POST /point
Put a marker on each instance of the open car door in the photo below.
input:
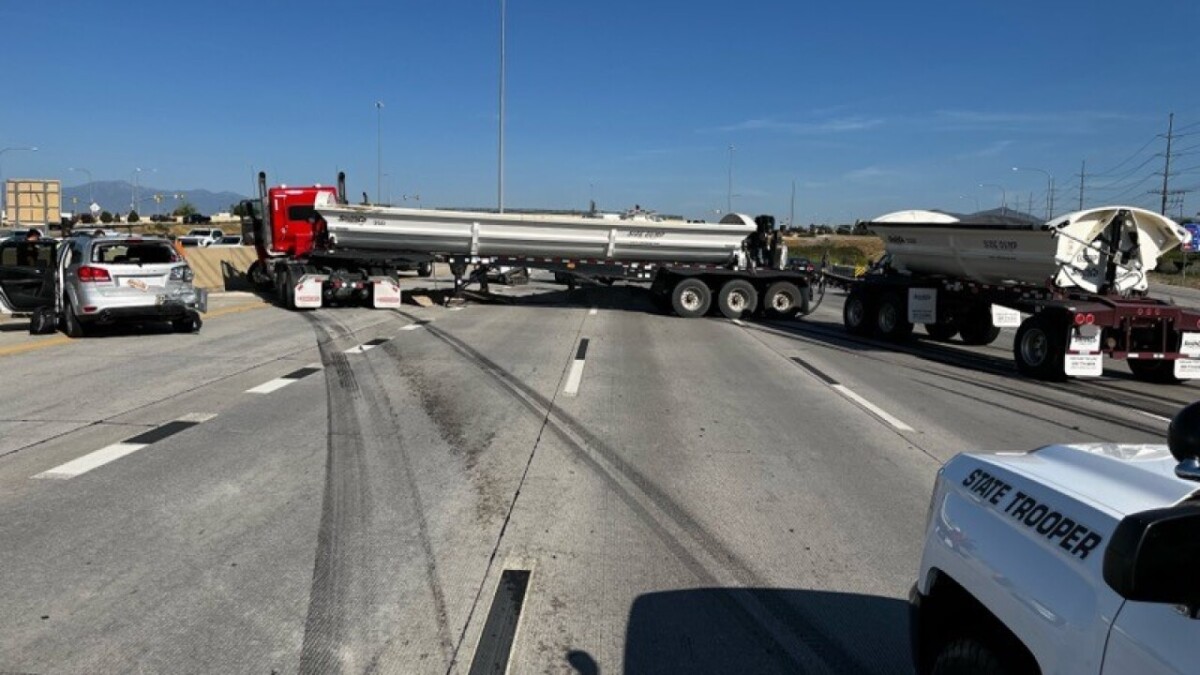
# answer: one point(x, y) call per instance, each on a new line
point(27, 274)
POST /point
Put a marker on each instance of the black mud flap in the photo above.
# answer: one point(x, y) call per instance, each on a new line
point(43, 321)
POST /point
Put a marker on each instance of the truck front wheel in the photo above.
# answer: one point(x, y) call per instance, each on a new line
point(967, 657)
point(1038, 349)
point(691, 298)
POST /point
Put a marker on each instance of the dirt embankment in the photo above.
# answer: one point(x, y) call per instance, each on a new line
point(843, 249)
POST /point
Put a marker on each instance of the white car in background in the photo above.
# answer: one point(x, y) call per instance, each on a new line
point(202, 237)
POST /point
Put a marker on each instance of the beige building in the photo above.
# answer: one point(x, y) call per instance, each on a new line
point(33, 202)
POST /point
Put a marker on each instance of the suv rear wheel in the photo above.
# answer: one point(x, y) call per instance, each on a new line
point(71, 323)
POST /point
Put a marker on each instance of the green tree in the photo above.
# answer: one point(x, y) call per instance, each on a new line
point(184, 210)
point(133, 217)
point(106, 217)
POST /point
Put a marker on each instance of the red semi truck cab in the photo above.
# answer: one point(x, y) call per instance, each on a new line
point(289, 226)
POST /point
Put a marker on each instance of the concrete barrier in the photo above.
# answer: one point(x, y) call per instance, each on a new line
point(221, 268)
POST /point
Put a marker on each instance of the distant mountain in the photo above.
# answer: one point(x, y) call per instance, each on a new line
point(115, 196)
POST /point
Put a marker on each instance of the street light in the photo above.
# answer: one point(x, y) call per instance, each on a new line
point(1049, 188)
point(91, 187)
point(1003, 193)
point(379, 151)
point(3, 212)
point(729, 190)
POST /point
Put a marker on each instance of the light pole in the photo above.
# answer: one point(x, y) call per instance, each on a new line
point(91, 187)
point(379, 151)
point(1049, 188)
point(729, 187)
point(1003, 193)
point(500, 158)
point(792, 210)
point(3, 187)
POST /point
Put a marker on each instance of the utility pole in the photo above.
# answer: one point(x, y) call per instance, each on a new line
point(1167, 166)
point(729, 190)
point(1082, 173)
point(1050, 200)
point(792, 211)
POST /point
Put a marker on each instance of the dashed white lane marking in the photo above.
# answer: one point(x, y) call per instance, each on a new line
point(281, 382)
point(111, 453)
point(593, 311)
point(1153, 416)
point(575, 376)
point(92, 460)
point(879, 412)
point(853, 396)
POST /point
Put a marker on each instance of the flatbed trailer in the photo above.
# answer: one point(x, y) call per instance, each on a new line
point(691, 290)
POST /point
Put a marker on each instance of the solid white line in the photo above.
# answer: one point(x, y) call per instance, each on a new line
point(574, 377)
point(1152, 415)
point(270, 386)
point(197, 417)
point(91, 460)
point(879, 412)
point(593, 311)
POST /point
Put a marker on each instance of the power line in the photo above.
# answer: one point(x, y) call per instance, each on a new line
point(1127, 174)
point(1126, 160)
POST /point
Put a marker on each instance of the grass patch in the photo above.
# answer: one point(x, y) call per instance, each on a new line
point(842, 249)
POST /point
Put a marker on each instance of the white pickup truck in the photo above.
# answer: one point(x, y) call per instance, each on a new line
point(1065, 559)
point(202, 237)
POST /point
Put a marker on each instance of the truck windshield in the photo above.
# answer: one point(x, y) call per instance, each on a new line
point(301, 212)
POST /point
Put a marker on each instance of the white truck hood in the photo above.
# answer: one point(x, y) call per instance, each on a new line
point(1116, 478)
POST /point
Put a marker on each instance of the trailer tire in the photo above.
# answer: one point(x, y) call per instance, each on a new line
point(737, 298)
point(1156, 371)
point(783, 300)
point(425, 269)
point(942, 332)
point(857, 313)
point(891, 320)
point(1038, 349)
point(977, 328)
point(691, 298)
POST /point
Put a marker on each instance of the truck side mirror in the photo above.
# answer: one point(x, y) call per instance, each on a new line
point(1153, 556)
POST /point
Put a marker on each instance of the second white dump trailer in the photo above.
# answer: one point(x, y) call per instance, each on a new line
point(691, 266)
point(1076, 289)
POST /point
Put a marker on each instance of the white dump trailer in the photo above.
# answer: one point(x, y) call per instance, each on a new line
point(1075, 287)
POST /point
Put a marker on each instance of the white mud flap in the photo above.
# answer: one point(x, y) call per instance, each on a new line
point(385, 293)
point(1188, 366)
point(308, 292)
point(922, 305)
point(1083, 358)
point(1187, 369)
point(1005, 317)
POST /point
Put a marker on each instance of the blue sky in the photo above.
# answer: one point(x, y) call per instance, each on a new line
point(869, 106)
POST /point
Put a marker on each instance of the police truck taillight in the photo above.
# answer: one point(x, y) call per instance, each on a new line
point(93, 274)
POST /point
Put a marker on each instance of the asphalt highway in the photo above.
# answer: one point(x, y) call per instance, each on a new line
point(548, 482)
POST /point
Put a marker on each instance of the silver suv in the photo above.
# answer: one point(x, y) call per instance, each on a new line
point(126, 278)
